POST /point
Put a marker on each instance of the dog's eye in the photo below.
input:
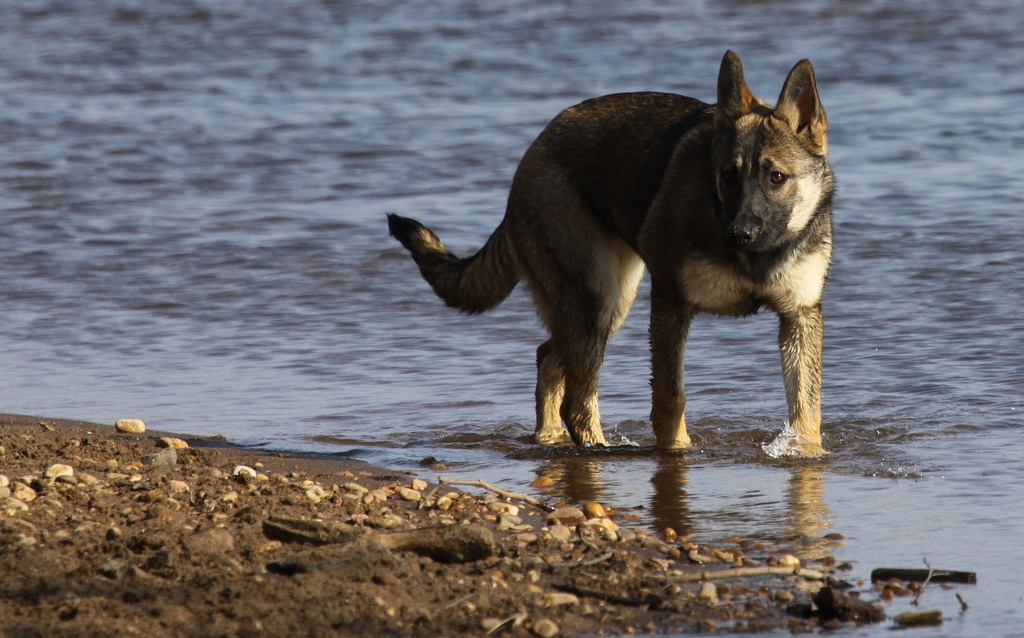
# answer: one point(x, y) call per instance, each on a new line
point(777, 178)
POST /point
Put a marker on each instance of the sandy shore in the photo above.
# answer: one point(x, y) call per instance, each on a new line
point(131, 538)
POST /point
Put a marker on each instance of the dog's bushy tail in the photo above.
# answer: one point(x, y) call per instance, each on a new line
point(472, 284)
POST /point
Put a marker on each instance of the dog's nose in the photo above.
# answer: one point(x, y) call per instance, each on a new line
point(743, 234)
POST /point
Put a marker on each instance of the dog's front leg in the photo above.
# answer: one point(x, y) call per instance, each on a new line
point(800, 338)
point(670, 324)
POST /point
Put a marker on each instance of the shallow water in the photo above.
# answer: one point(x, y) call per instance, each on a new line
point(193, 234)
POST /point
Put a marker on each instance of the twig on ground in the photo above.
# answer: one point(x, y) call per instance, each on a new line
point(454, 602)
point(809, 574)
point(515, 496)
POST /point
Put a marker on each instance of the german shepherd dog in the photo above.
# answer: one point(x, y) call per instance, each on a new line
point(728, 206)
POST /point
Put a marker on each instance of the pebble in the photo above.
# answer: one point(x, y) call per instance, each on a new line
point(546, 628)
point(409, 494)
point(4, 481)
point(560, 533)
point(5, 491)
point(163, 459)
point(230, 497)
point(500, 507)
point(560, 598)
point(58, 469)
point(542, 481)
point(566, 516)
point(593, 510)
point(419, 485)
point(170, 441)
point(178, 487)
point(243, 470)
point(789, 561)
point(23, 493)
point(355, 488)
point(213, 541)
point(12, 506)
point(708, 593)
point(130, 426)
point(443, 503)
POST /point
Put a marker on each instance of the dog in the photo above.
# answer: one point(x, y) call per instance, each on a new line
point(728, 206)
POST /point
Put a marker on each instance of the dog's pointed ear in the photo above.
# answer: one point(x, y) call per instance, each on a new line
point(734, 98)
point(800, 107)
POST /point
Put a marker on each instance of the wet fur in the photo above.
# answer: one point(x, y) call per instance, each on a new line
point(686, 189)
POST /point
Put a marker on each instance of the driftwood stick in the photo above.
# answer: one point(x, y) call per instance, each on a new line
point(931, 572)
point(740, 572)
point(298, 530)
point(515, 496)
point(921, 575)
point(448, 543)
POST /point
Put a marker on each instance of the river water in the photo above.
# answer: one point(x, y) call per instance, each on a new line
point(193, 234)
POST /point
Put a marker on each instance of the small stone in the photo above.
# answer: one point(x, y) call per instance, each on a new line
point(443, 503)
point(669, 534)
point(165, 459)
point(12, 506)
point(566, 516)
point(230, 497)
point(23, 493)
point(490, 624)
point(245, 470)
point(88, 479)
point(170, 441)
point(5, 491)
point(542, 482)
point(789, 561)
point(130, 426)
point(114, 533)
point(58, 469)
point(560, 598)
point(66, 479)
point(313, 497)
point(4, 481)
point(213, 541)
point(546, 628)
point(784, 596)
point(178, 487)
point(593, 510)
point(355, 488)
point(409, 494)
point(708, 593)
point(419, 485)
point(112, 464)
point(560, 533)
point(501, 507)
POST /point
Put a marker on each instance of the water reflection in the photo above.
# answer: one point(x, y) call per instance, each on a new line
point(670, 504)
point(783, 505)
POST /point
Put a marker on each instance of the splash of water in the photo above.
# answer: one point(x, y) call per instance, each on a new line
point(785, 444)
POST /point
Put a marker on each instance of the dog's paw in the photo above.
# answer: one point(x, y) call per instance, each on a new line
point(791, 443)
point(552, 436)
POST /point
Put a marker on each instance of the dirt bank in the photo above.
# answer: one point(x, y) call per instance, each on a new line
point(136, 539)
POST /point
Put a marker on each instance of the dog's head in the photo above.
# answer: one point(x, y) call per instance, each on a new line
point(770, 164)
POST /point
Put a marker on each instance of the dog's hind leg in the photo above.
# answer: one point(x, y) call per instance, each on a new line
point(550, 391)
